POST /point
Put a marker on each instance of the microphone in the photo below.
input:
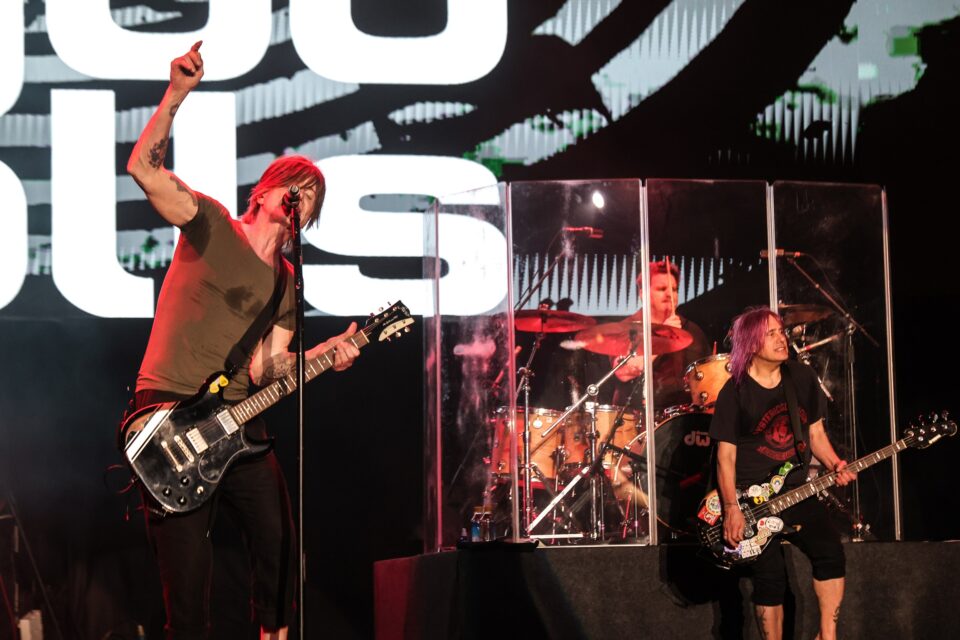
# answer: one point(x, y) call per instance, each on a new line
point(291, 199)
point(782, 253)
point(591, 232)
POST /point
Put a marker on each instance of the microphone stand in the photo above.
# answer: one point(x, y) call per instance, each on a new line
point(533, 288)
point(294, 211)
point(852, 327)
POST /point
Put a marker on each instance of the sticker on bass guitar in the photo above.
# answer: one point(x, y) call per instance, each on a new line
point(766, 489)
point(776, 483)
point(708, 516)
point(713, 504)
point(785, 469)
point(773, 524)
point(754, 491)
point(748, 549)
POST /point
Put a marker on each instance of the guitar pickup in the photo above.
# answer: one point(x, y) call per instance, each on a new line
point(183, 447)
point(196, 441)
point(227, 422)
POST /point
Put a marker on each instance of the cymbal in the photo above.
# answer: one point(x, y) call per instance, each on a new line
point(551, 321)
point(803, 313)
point(613, 338)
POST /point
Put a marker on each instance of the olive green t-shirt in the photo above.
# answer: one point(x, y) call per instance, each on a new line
point(214, 289)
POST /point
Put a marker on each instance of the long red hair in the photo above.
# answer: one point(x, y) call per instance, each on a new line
point(286, 171)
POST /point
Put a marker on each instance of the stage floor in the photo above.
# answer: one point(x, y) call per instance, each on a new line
point(894, 590)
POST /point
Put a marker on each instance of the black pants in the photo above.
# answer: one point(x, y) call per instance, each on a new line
point(816, 538)
point(254, 488)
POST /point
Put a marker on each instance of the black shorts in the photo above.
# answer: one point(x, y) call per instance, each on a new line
point(816, 538)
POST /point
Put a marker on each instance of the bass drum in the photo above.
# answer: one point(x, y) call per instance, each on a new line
point(683, 468)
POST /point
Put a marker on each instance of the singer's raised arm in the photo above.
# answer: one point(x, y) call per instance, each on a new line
point(172, 199)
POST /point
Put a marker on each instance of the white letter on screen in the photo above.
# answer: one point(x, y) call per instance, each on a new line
point(205, 145)
point(86, 37)
point(470, 46)
point(13, 240)
point(475, 250)
point(84, 208)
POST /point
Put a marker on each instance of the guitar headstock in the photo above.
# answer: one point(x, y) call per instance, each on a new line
point(389, 323)
point(930, 429)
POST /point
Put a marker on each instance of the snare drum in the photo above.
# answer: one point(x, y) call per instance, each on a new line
point(705, 377)
point(575, 442)
point(544, 454)
point(683, 467)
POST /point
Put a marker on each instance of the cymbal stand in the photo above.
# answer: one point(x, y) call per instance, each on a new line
point(588, 470)
point(850, 410)
point(525, 373)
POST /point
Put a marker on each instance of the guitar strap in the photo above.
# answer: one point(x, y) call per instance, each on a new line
point(790, 389)
point(242, 351)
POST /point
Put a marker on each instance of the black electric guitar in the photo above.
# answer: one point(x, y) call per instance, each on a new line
point(180, 450)
point(760, 504)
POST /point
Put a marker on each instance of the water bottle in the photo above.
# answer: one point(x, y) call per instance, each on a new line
point(475, 531)
point(486, 526)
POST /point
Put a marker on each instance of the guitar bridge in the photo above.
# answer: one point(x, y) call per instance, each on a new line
point(227, 422)
point(170, 456)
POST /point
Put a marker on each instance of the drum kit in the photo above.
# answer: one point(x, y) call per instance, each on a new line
point(587, 465)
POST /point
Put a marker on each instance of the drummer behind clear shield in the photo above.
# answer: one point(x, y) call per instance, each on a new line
point(669, 368)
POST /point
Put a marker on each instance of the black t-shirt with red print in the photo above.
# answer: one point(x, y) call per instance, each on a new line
point(757, 421)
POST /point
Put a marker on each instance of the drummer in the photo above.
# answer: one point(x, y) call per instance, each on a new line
point(668, 369)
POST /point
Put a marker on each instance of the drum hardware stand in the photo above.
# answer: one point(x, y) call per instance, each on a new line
point(592, 391)
point(525, 373)
point(803, 355)
point(20, 538)
point(851, 410)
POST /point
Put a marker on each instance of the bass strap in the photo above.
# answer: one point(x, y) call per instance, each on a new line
point(790, 390)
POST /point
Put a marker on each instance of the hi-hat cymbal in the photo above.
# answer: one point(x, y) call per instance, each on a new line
point(551, 321)
point(614, 338)
point(803, 313)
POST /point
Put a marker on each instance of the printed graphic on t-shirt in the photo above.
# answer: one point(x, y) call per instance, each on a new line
point(777, 432)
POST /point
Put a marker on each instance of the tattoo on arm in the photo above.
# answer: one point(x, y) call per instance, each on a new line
point(183, 188)
point(158, 153)
point(174, 108)
point(836, 615)
point(276, 367)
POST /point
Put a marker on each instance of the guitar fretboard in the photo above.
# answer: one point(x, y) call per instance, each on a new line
point(812, 488)
point(271, 394)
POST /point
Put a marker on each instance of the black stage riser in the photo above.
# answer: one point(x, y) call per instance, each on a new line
point(893, 590)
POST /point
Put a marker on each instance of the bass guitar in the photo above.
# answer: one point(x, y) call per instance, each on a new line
point(761, 505)
point(180, 450)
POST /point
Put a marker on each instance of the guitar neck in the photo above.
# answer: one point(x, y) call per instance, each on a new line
point(275, 391)
point(814, 487)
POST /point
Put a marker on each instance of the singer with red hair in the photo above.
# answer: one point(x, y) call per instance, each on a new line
point(227, 303)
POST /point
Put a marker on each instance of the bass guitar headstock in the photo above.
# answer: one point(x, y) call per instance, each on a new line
point(389, 323)
point(931, 428)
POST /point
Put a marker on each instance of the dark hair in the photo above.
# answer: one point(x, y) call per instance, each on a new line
point(747, 336)
point(286, 171)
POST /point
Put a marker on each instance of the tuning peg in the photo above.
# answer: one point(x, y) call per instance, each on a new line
point(380, 309)
point(371, 314)
point(406, 329)
point(933, 416)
